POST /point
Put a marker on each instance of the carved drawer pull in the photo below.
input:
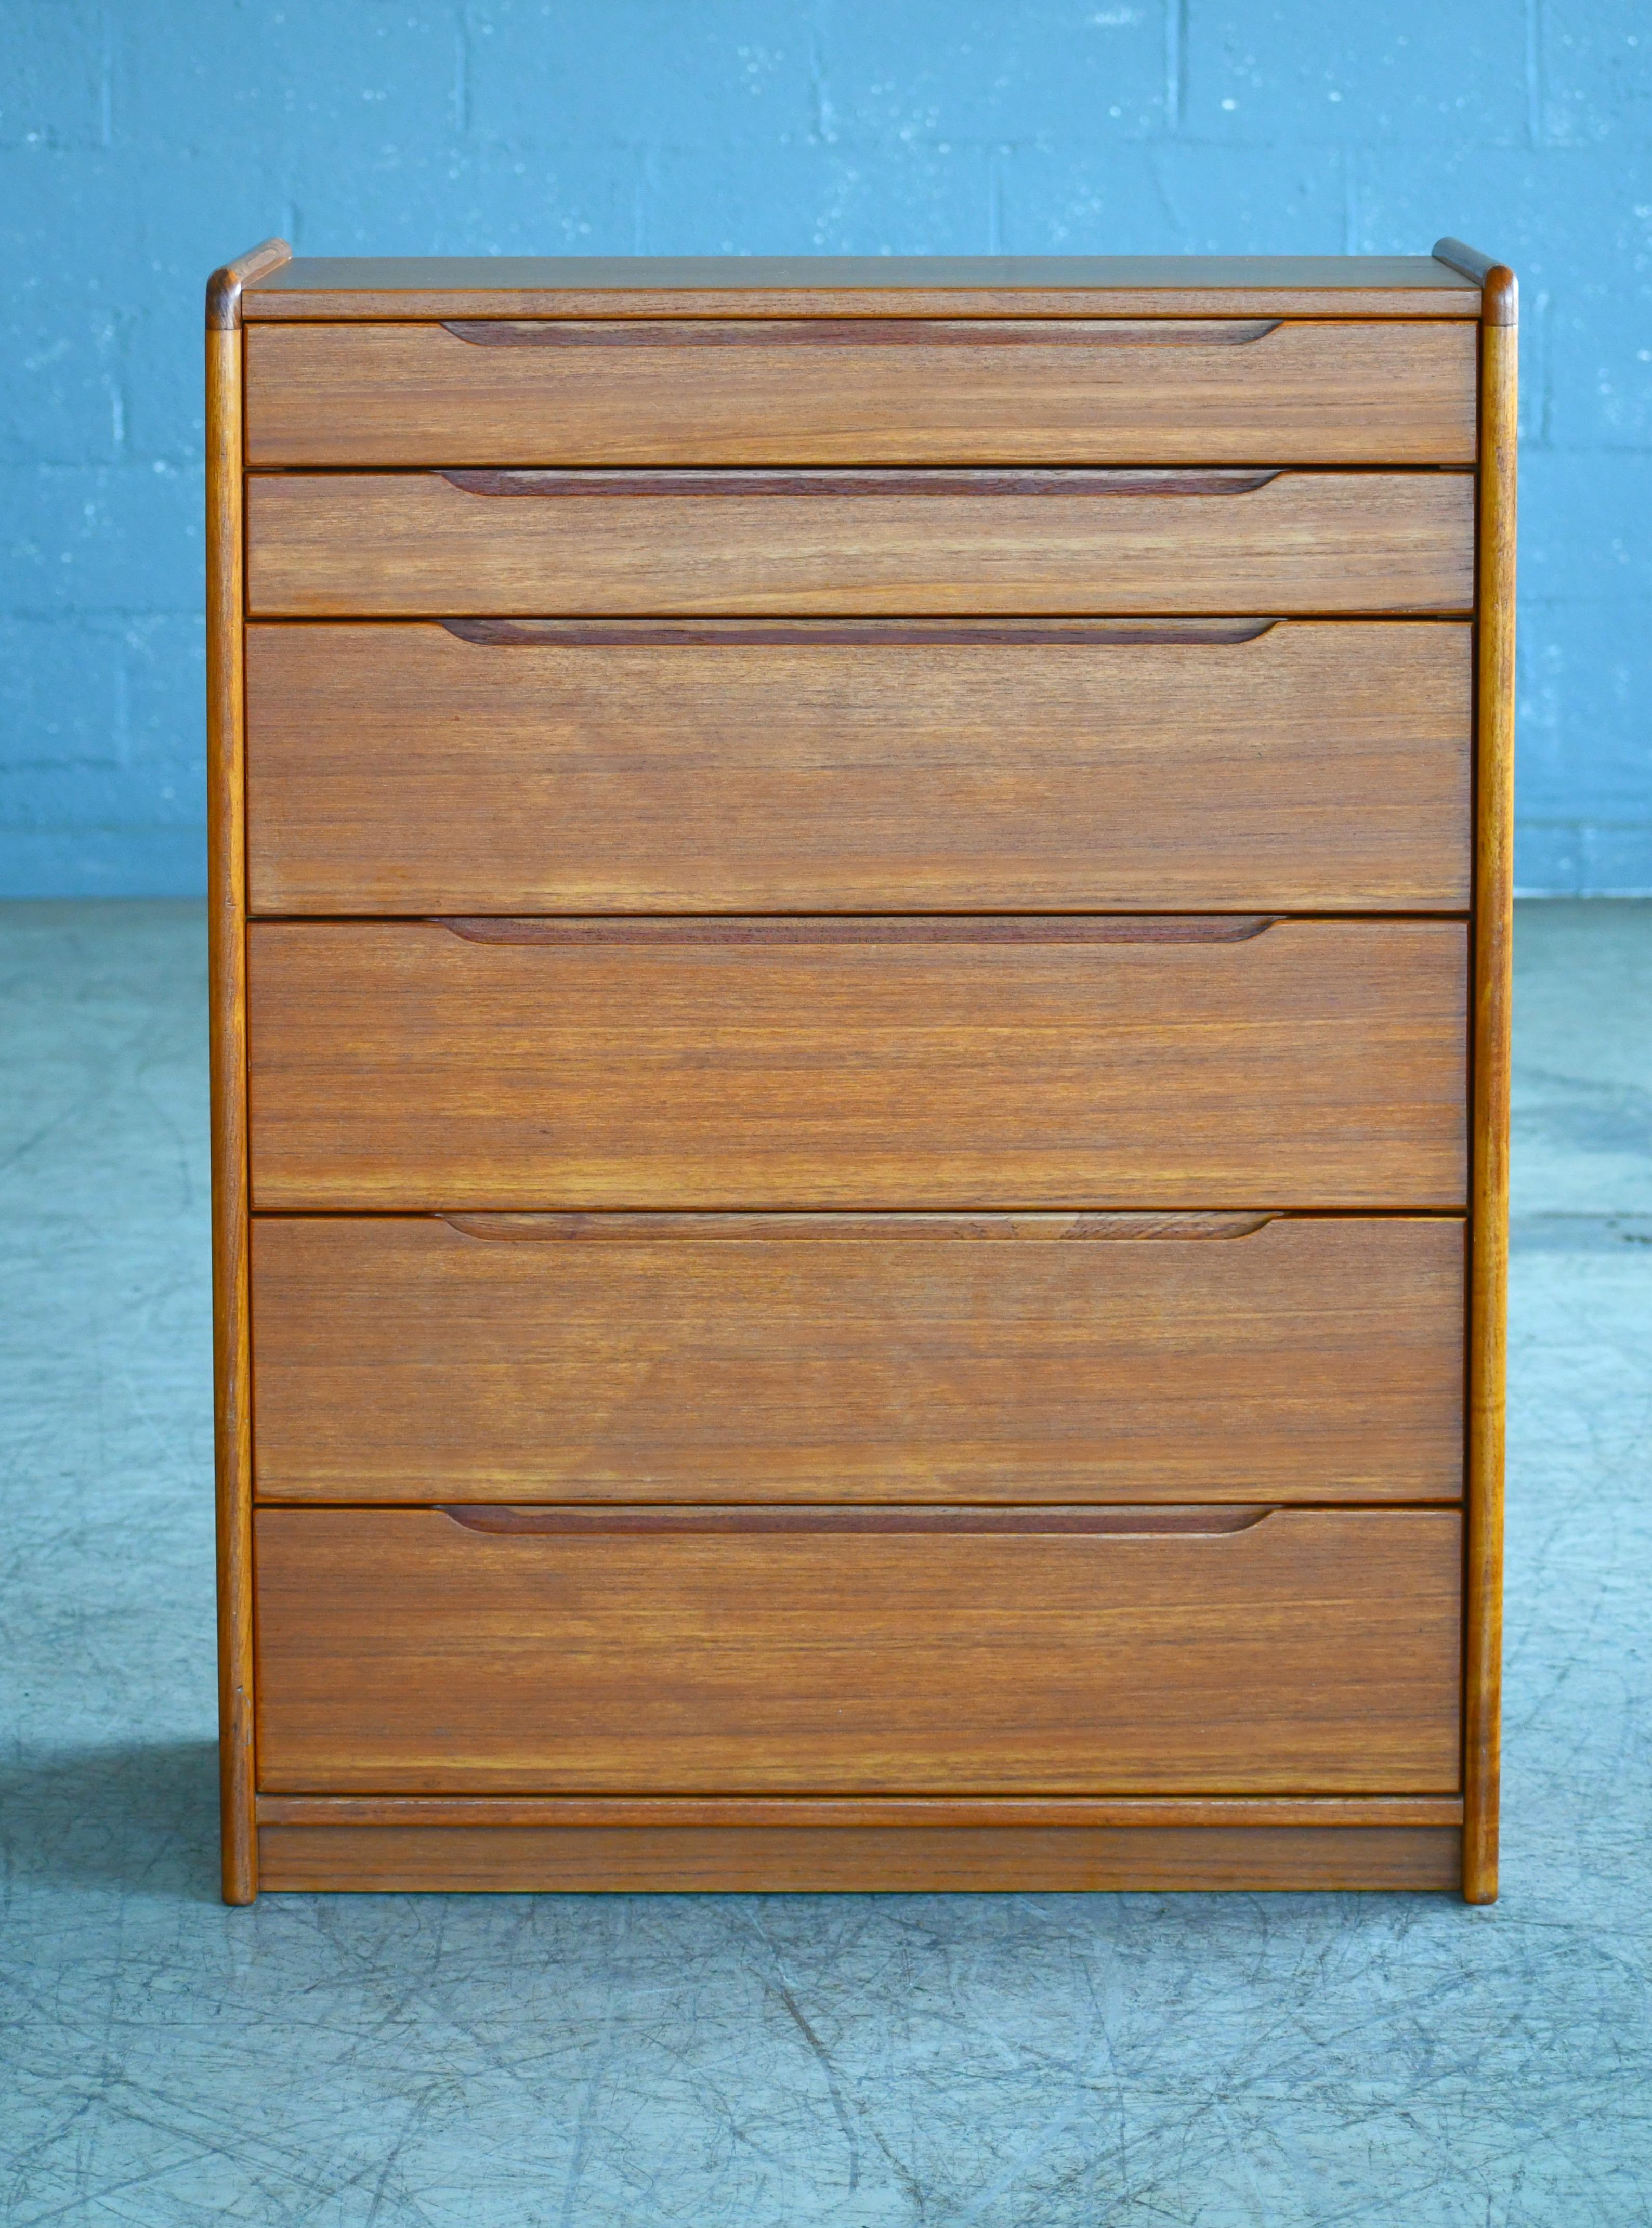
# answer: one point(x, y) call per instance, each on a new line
point(824, 483)
point(865, 928)
point(1119, 1522)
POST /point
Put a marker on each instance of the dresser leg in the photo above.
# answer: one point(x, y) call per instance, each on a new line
point(1493, 926)
point(226, 947)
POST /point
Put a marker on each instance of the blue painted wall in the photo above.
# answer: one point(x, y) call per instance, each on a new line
point(144, 141)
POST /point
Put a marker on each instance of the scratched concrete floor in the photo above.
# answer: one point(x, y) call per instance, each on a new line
point(1015, 2062)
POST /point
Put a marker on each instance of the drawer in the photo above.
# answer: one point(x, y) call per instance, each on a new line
point(502, 766)
point(1230, 1651)
point(1063, 1062)
point(847, 1357)
point(832, 391)
point(505, 544)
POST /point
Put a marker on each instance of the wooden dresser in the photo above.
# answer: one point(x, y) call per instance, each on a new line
point(860, 959)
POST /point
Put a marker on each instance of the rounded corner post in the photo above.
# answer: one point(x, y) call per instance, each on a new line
point(1500, 297)
point(226, 962)
point(225, 287)
point(1492, 994)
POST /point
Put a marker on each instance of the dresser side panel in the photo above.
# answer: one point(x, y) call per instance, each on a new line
point(226, 941)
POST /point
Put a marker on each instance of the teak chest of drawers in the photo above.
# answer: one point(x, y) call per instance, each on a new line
point(860, 955)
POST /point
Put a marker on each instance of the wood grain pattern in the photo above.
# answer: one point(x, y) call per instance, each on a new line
point(1316, 1652)
point(227, 962)
point(400, 1359)
point(377, 288)
point(1493, 957)
point(957, 978)
point(851, 1860)
point(414, 544)
point(1321, 764)
point(398, 1067)
point(945, 1811)
point(862, 392)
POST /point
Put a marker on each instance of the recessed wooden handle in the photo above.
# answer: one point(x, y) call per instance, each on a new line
point(844, 634)
point(827, 483)
point(877, 1229)
point(859, 332)
point(866, 928)
point(1120, 1523)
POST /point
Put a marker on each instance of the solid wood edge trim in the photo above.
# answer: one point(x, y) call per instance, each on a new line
point(777, 1226)
point(224, 288)
point(1493, 939)
point(1499, 290)
point(940, 1813)
point(442, 305)
point(227, 964)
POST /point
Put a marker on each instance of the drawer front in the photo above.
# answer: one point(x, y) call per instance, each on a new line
point(746, 766)
point(1203, 1062)
point(504, 544)
point(862, 391)
point(844, 1357)
point(1312, 1651)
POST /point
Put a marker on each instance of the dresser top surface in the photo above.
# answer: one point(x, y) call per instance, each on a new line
point(327, 287)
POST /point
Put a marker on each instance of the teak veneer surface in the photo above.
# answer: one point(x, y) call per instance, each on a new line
point(943, 1813)
point(747, 766)
point(886, 1859)
point(1310, 1652)
point(1008, 1359)
point(501, 544)
point(860, 1064)
point(788, 1114)
point(381, 287)
point(861, 391)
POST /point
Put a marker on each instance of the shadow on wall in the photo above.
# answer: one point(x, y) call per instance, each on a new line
point(141, 1817)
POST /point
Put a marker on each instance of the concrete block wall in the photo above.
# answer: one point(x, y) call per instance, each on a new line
point(142, 141)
